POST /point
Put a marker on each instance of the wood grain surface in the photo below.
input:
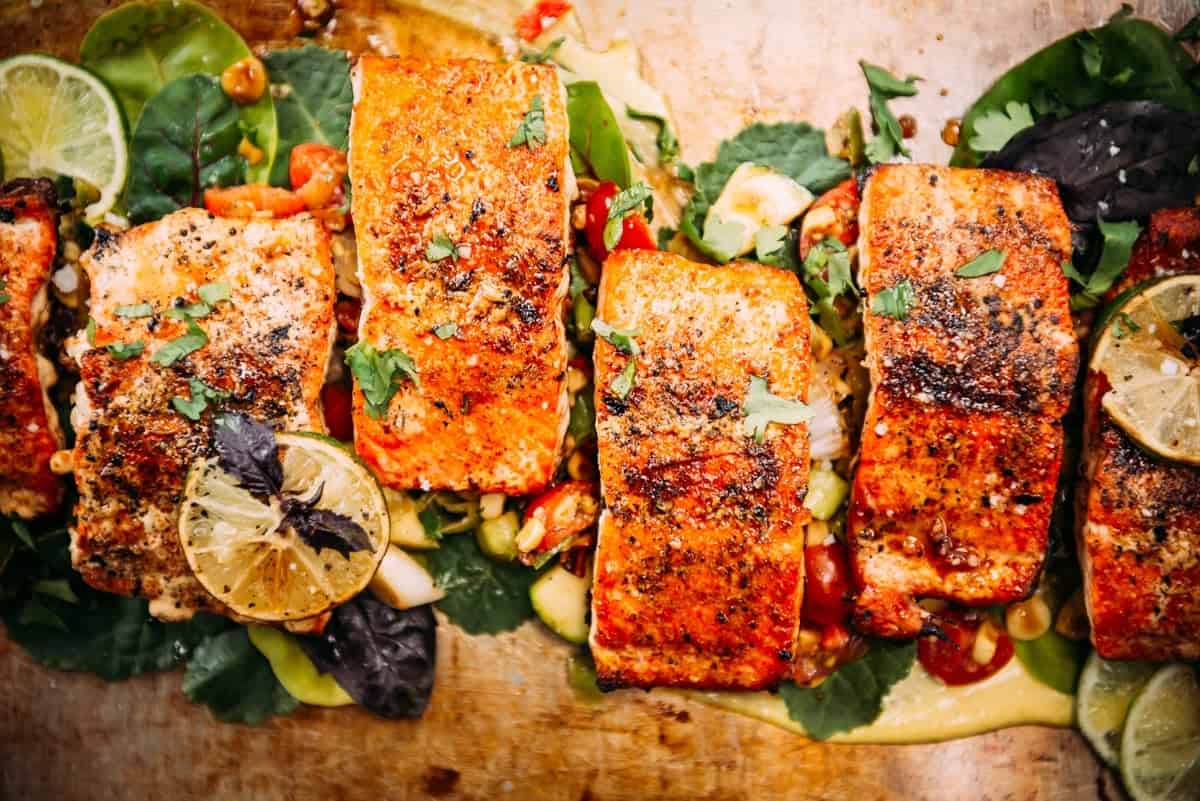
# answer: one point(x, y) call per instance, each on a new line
point(503, 723)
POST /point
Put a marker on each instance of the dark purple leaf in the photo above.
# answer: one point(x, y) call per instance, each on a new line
point(383, 657)
point(322, 528)
point(246, 449)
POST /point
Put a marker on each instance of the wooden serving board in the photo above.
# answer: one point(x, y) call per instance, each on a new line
point(503, 722)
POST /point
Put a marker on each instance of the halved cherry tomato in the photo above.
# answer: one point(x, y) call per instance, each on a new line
point(339, 418)
point(317, 173)
point(635, 231)
point(827, 588)
point(834, 214)
point(565, 510)
point(951, 659)
point(347, 312)
point(544, 13)
point(247, 200)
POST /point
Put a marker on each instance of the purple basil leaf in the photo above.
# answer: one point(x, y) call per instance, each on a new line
point(246, 449)
point(321, 529)
point(383, 657)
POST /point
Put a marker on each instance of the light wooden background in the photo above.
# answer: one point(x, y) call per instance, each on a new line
point(503, 723)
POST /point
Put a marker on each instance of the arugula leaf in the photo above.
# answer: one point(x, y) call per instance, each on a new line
point(532, 129)
point(895, 301)
point(542, 56)
point(123, 351)
point(186, 141)
point(793, 148)
point(763, 408)
point(596, 139)
point(668, 145)
point(379, 374)
point(769, 240)
point(995, 128)
point(313, 98)
point(201, 395)
point(1114, 257)
point(623, 204)
point(621, 339)
point(722, 239)
point(229, 675)
point(135, 310)
point(4, 296)
point(181, 346)
point(882, 87)
point(441, 247)
point(247, 450)
point(988, 262)
point(622, 385)
point(482, 596)
point(853, 695)
point(445, 330)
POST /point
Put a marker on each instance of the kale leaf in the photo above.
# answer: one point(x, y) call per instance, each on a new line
point(313, 98)
point(482, 596)
point(229, 675)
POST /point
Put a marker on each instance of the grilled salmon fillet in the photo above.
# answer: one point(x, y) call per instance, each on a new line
point(29, 429)
point(267, 347)
point(699, 568)
point(1139, 517)
point(962, 442)
point(432, 160)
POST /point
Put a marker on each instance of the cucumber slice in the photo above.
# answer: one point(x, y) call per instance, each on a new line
point(402, 582)
point(498, 537)
point(826, 491)
point(560, 599)
point(407, 531)
point(294, 670)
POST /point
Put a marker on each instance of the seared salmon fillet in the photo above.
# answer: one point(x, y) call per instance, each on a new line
point(267, 347)
point(699, 568)
point(29, 430)
point(462, 246)
point(962, 442)
point(1139, 517)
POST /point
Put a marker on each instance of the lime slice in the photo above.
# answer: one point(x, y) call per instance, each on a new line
point(1149, 351)
point(1160, 749)
point(59, 119)
point(241, 550)
point(1106, 689)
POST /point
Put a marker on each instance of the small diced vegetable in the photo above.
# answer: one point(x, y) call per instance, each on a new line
point(755, 197)
point(560, 599)
point(407, 531)
point(497, 536)
point(826, 491)
point(402, 583)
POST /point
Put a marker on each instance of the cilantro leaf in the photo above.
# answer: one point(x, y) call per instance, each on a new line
point(181, 346)
point(235, 681)
point(4, 296)
point(201, 395)
point(826, 273)
point(853, 695)
point(247, 450)
point(994, 128)
point(988, 262)
point(122, 351)
point(445, 330)
point(622, 385)
point(214, 292)
point(722, 240)
point(882, 87)
point(379, 374)
point(135, 310)
point(621, 339)
point(894, 301)
point(623, 204)
point(482, 596)
point(541, 57)
point(1114, 257)
point(762, 408)
point(769, 240)
point(441, 248)
point(532, 129)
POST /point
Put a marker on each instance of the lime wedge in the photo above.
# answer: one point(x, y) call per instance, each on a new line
point(59, 119)
point(1160, 749)
point(1106, 689)
point(1149, 352)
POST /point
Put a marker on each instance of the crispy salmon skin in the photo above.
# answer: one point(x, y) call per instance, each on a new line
point(462, 259)
point(267, 347)
point(1139, 517)
point(29, 430)
point(962, 442)
point(700, 563)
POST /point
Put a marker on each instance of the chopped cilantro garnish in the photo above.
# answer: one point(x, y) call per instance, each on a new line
point(201, 395)
point(90, 331)
point(622, 384)
point(883, 87)
point(994, 128)
point(536, 57)
point(769, 240)
point(135, 310)
point(762, 408)
point(1123, 325)
point(441, 247)
point(4, 296)
point(379, 374)
point(127, 350)
point(894, 301)
point(986, 263)
point(181, 346)
point(445, 330)
point(623, 204)
point(1118, 244)
point(532, 130)
point(622, 340)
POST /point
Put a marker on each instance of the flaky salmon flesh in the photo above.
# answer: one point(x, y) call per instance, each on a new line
point(267, 347)
point(433, 160)
point(962, 442)
point(29, 428)
point(699, 569)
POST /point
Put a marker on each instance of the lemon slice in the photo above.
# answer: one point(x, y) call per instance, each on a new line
point(1148, 352)
point(59, 119)
point(1106, 689)
point(1160, 749)
point(244, 553)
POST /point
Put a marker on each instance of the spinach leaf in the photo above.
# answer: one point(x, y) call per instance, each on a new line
point(384, 658)
point(313, 98)
point(1137, 60)
point(853, 695)
point(185, 142)
point(482, 596)
point(229, 675)
point(596, 139)
point(795, 149)
point(140, 47)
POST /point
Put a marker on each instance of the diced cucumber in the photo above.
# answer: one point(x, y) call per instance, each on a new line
point(402, 582)
point(407, 531)
point(498, 537)
point(294, 670)
point(560, 599)
point(826, 491)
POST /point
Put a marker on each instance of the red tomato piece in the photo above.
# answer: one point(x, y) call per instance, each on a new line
point(317, 173)
point(635, 231)
point(565, 510)
point(347, 311)
point(827, 588)
point(951, 660)
point(245, 201)
point(336, 400)
point(535, 21)
point(834, 214)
